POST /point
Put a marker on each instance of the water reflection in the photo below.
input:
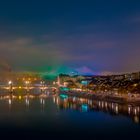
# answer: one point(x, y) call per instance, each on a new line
point(87, 105)
point(10, 101)
point(27, 102)
point(42, 101)
point(73, 103)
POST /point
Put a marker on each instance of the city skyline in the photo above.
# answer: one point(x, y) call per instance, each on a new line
point(69, 69)
point(93, 37)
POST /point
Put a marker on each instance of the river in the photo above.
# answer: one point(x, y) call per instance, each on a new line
point(67, 117)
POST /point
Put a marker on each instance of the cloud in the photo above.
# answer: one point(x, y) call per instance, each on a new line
point(103, 51)
point(27, 54)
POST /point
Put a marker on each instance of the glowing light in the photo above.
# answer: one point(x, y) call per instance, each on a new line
point(10, 82)
point(106, 104)
point(112, 106)
point(90, 102)
point(63, 96)
point(129, 109)
point(74, 99)
point(64, 89)
point(117, 109)
point(54, 99)
point(27, 102)
point(19, 97)
point(10, 101)
point(99, 104)
point(136, 119)
point(57, 101)
point(84, 107)
point(27, 82)
point(84, 82)
point(135, 85)
point(135, 111)
point(42, 101)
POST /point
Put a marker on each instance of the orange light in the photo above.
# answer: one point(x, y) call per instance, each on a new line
point(19, 97)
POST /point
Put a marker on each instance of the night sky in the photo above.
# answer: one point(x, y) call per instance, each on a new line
point(97, 36)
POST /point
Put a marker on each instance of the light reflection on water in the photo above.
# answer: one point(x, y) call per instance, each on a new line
point(79, 104)
point(69, 114)
point(87, 105)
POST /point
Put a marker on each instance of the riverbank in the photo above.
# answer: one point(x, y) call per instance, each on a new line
point(122, 99)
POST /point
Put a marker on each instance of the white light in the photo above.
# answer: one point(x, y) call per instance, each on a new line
point(41, 101)
point(99, 104)
point(10, 82)
point(129, 110)
point(117, 109)
point(10, 101)
point(54, 99)
point(27, 102)
point(135, 111)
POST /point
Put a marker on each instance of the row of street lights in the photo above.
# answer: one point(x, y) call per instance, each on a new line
point(27, 83)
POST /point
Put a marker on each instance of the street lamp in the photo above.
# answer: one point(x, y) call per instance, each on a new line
point(10, 82)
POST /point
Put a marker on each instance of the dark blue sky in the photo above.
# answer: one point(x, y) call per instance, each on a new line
point(89, 36)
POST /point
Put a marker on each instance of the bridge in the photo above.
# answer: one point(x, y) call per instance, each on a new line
point(30, 88)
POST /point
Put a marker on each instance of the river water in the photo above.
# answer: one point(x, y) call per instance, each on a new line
point(67, 117)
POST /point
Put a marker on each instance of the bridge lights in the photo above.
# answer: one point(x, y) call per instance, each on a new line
point(42, 82)
point(10, 82)
point(27, 82)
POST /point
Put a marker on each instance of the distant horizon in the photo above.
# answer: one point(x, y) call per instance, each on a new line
point(70, 73)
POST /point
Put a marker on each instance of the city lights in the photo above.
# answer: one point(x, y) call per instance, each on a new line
point(70, 69)
point(10, 82)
